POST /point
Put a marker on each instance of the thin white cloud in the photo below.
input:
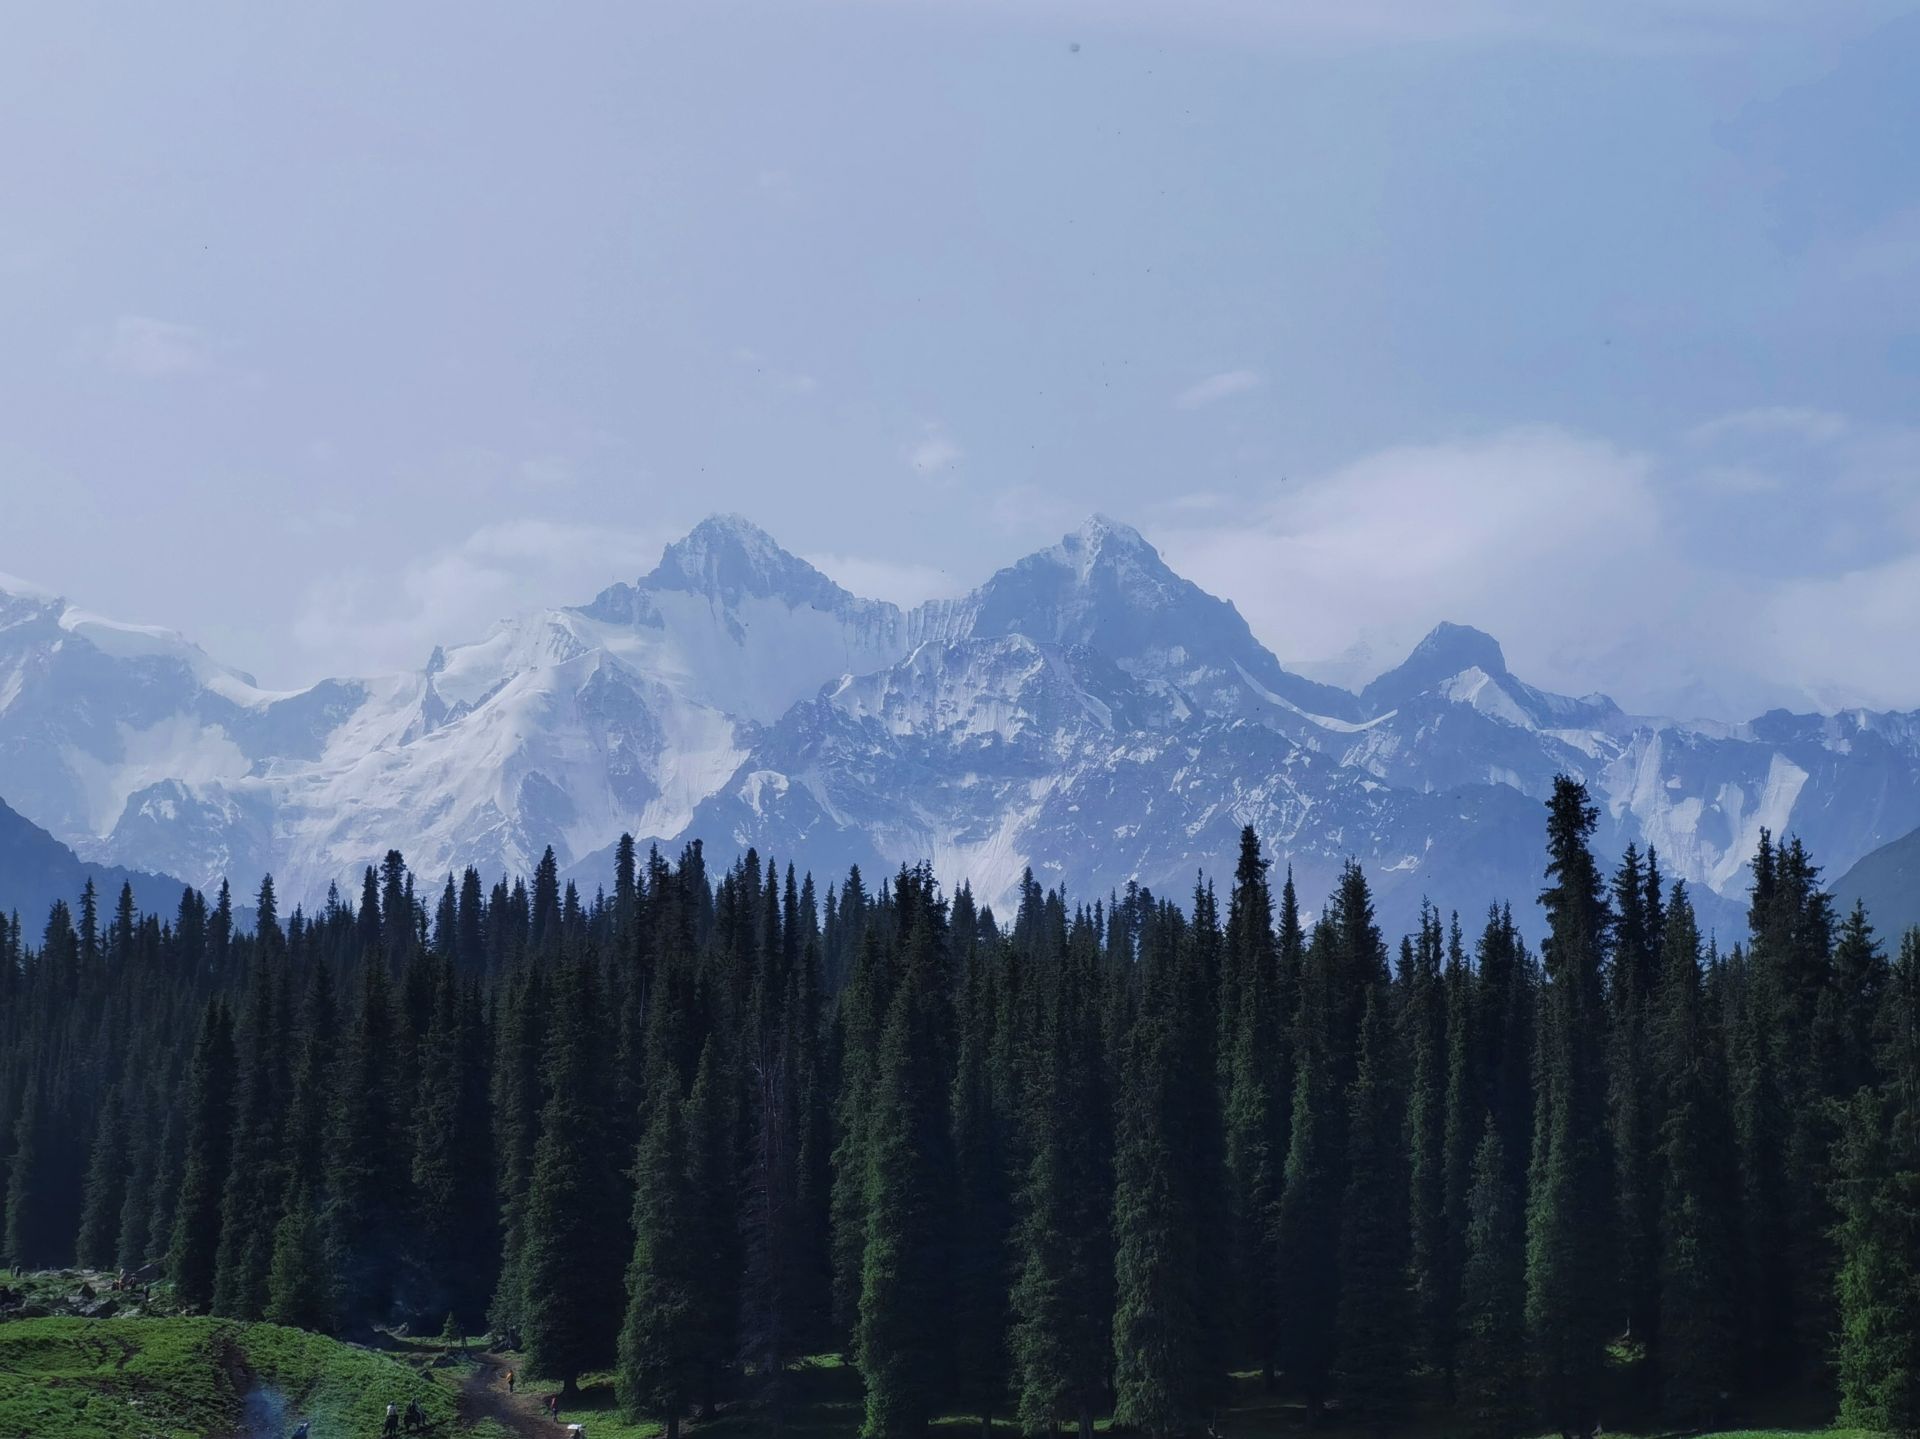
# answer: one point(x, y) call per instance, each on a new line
point(933, 453)
point(1215, 388)
point(154, 349)
point(905, 584)
point(1595, 566)
point(358, 621)
point(1771, 422)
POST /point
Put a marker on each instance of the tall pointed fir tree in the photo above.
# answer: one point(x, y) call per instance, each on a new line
point(256, 1180)
point(1255, 1107)
point(1374, 1339)
point(574, 1219)
point(714, 1163)
point(1465, 1124)
point(1571, 1279)
point(1309, 1221)
point(984, 1217)
point(658, 1372)
point(1423, 1021)
point(903, 1290)
point(106, 1186)
point(365, 1176)
point(453, 1220)
point(37, 1229)
point(1630, 985)
point(860, 1022)
point(209, 1109)
point(1162, 1359)
point(1784, 1117)
point(519, 1042)
point(1062, 1338)
point(298, 1292)
point(1878, 1197)
point(1695, 1349)
point(1493, 1377)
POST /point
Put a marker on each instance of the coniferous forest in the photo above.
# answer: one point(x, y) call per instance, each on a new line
point(1084, 1160)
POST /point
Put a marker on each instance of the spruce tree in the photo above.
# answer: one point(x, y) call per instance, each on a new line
point(298, 1287)
point(1062, 1337)
point(38, 1235)
point(1695, 1351)
point(1424, 1026)
point(519, 1037)
point(1465, 1124)
point(659, 1355)
point(1570, 1273)
point(1309, 1224)
point(452, 1170)
point(209, 1110)
point(1631, 980)
point(1878, 1198)
point(106, 1187)
point(133, 1241)
point(574, 1222)
point(861, 1020)
point(1160, 1362)
point(1371, 1320)
point(903, 1292)
point(364, 1177)
point(712, 1112)
point(984, 1214)
point(255, 1179)
point(1492, 1364)
point(1255, 1106)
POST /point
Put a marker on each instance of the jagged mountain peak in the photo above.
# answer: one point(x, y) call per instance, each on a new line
point(1086, 710)
point(728, 558)
point(1448, 641)
point(1102, 576)
point(1104, 586)
point(1104, 543)
point(1102, 534)
point(1447, 650)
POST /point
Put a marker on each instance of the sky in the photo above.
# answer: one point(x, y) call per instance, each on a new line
point(328, 336)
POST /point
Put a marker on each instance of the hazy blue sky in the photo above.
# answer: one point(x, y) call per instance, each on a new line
point(325, 336)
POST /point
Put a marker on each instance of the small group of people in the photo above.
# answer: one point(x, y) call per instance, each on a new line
point(415, 1418)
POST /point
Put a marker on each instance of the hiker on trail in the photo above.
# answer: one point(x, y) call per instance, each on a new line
point(392, 1426)
point(416, 1416)
point(509, 1381)
point(553, 1406)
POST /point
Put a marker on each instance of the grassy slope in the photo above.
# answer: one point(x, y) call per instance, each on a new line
point(189, 1378)
point(826, 1405)
point(66, 1378)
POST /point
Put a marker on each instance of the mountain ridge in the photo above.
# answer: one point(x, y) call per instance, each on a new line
point(36, 869)
point(1085, 711)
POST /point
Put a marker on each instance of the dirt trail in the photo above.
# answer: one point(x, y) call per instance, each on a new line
point(484, 1396)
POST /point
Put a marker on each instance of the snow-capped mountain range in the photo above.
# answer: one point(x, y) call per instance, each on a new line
point(1086, 712)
